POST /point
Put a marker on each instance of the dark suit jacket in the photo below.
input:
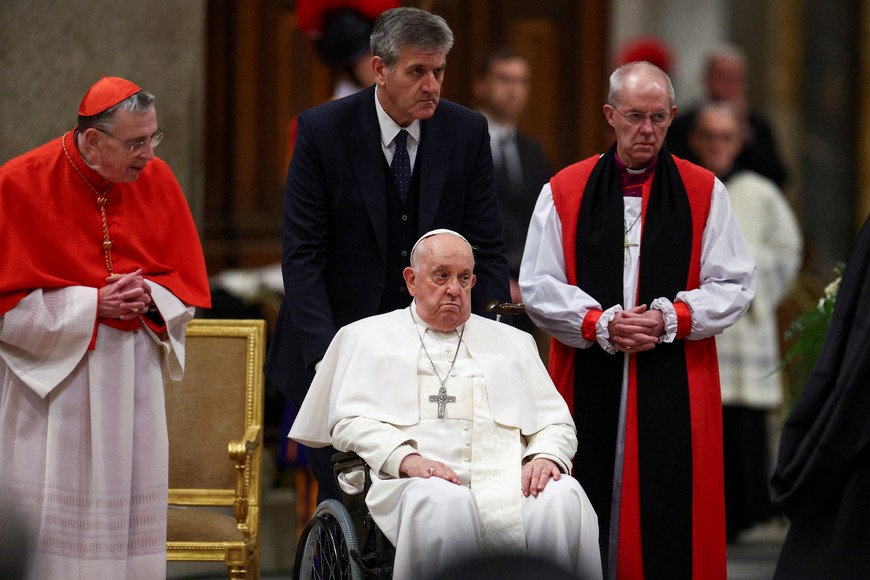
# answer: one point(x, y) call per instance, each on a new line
point(335, 222)
point(517, 203)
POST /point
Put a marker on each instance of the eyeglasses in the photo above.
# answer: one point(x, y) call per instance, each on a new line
point(137, 146)
point(658, 118)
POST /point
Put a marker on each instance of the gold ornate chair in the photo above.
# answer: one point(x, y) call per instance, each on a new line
point(215, 420)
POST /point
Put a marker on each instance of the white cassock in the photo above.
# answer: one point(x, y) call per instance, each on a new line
point(371, 395)
point(83, 443)
point(748, 352)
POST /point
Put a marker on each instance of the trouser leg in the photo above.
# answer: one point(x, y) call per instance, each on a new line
point(438, 525)
point(561, 527)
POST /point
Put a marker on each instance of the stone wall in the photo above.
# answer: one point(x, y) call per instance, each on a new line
point(51, 52)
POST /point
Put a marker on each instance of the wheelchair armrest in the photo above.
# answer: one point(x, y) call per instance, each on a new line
point(343, 460)
point(346, 461)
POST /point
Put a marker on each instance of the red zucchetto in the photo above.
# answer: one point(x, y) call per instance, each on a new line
point(105, 94)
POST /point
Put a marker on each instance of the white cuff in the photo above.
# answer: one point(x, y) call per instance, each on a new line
point(602, 335)
point(669, 315)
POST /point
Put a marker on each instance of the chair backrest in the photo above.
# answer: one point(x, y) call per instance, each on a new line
point(218, 401)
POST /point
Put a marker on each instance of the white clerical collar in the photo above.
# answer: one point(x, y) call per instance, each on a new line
point(425, 325)
point(389, 128)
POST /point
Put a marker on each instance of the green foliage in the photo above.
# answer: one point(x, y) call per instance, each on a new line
point(807, 333)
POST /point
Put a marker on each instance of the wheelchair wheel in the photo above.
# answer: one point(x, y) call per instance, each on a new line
point(325, 545)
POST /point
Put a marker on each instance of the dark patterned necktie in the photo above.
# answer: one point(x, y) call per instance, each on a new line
point(401, 165)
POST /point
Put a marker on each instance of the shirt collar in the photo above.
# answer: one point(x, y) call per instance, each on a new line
point(389, 128)
point(632, 177)
point(498, 130)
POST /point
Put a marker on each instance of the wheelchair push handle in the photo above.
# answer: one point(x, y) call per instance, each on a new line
point(502, 308)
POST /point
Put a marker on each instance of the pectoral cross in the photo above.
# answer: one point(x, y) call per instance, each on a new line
point(442, 398)
point(625, 243)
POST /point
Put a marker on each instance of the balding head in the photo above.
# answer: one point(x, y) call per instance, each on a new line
point(640, 109)
point(440, 279)
point(639, 74)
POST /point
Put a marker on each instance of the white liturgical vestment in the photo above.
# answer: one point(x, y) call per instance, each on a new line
point(748, 351)
point(376, 394)
point(83, 442)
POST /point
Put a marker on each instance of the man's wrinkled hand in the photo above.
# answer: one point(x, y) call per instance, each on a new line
point(415, 465)
point(536, 474)
point(125, 296)
point(636, 330)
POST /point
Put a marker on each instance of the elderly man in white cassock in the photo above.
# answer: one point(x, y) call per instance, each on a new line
point(467, 439)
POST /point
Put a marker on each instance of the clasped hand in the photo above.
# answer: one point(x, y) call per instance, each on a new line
point(636, 330)
point(125, 296)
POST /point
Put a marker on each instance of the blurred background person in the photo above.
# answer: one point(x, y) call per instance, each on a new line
point(521, 169)
point(725, 79)
point(748, 351)
point(648, 48)
point(340, 31)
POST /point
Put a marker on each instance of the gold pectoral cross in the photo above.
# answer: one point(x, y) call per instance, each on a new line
point(626, 244)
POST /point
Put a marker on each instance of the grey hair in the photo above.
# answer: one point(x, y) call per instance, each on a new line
point(421, 248)
point(617, 78)
point(406, 27)
point(137, 103)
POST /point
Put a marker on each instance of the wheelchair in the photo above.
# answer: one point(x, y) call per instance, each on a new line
point(341, 540)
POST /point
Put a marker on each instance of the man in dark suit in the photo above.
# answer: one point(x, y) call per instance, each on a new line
point(369, 174)
point(521, 169)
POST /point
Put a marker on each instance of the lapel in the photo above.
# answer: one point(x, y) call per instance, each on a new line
point(367, 163)
point(432, 161)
